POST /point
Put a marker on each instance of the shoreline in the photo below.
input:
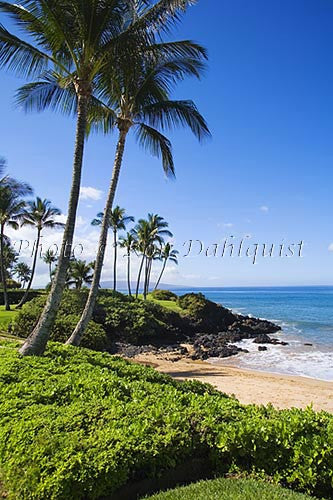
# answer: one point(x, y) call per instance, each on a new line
point(247, 385)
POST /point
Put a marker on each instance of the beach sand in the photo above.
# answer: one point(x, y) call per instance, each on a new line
point(283, 391)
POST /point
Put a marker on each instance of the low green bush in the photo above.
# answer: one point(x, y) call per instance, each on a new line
point(117, 315)
point(14, 296)
point(134, 319)
point(76, 424)
point(230, 489)
point(205, 315)
point(67, 318)
point(164, 295)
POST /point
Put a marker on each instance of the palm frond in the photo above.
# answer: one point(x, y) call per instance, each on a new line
point(158, 145)
point(52, 91)
point(19, 56)
point(171, 114)
point(179, 48)
point(162, 16)
point(159, 81)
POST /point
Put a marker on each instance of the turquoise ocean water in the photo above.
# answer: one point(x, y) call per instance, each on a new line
point(305, 315)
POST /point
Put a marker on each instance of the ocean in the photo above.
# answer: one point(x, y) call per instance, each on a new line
point(305, 315)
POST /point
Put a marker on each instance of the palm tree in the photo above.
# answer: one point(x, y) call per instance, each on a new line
point(80, 273)
point(149, 233)
point(167, 254)
point(39, 214)
point(23, 272)
point(129, 243)
point(117, 221)
point(71, 44)
point(11, 208)
point(153, 253)
point(50, 257)
point(137, 94)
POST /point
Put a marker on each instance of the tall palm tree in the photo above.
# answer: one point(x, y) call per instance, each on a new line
point(11, 209)
point(41, 215)
point(153, 254)
point(80, 273)
point(23, 272)
point(117, 222)
point(167, 254)
point(50, 257)
point(71, 42)
point(149, 233)
point(129, 243)
point(137, 97)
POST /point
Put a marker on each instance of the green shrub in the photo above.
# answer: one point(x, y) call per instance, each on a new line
point(13, 285)
point(67, 318)
point(230, 489)
point(205, 314)
point(76, 424)
point(133, 320)
point(118, 315)
point(14, 296)
point(164, 295)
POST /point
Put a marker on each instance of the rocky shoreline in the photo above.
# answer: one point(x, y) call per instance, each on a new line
point(213, 336)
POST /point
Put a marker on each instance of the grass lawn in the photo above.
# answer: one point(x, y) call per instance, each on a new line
point(230, 489)
point(6, 317)
point(168, 304)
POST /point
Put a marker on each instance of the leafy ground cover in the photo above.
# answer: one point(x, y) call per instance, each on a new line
point(6, 317)
point(230, 489)
point(80, 424)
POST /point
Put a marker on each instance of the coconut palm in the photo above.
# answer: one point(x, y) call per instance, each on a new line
point(66, 44)
point(50, 257)
point(153, 253)
point(11, 209)
point(168, 254)
point(79, 274)
point(117, 222)
point(137, 98)
point(41, 215)
point(23, 272)
point(129, 243)
point(149, 233)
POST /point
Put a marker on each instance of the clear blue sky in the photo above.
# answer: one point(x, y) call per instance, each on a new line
point(268, 98)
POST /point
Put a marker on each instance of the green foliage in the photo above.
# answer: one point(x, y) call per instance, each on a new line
point(116, 315)
point(12, 284)
point(163, 295)
point(205, 314)
point(230, 489)
point(81, 424)
point(6, 317)
point(67, 318)
point(15, 296)
point(133, 319)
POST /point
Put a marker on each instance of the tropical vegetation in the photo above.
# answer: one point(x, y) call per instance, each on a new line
point(230, 489)
point(91, 423)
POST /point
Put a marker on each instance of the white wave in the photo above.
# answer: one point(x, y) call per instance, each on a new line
point(294, 359)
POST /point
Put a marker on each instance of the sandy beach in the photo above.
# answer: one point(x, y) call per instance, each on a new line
point(282, 391)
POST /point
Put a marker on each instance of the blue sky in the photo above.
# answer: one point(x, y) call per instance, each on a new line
point(267, 171)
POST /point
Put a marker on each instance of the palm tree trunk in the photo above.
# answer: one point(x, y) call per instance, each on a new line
point(33, 270)
point(149, 274)
point(50, 271)
point(139, 276)
point(80, 328)
point(160, 276)
point(129, 273)
point(37, 340)
point(146, 279)
point(115, 260)
point(3, 270)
